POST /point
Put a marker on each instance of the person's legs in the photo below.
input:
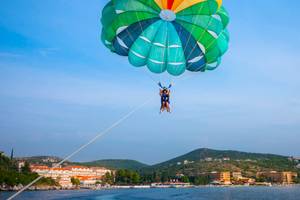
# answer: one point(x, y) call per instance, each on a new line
point(162, 107)
point(168, 107)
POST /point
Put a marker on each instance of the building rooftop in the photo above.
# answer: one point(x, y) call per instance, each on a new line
point(77, 167)
point(39, 167)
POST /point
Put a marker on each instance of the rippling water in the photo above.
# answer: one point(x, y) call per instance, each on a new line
point(205, 193)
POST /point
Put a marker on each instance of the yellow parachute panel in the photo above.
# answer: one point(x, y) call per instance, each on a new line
point(219, 2)
point(179, 5)
point(185, 4)
point(165, 4)
point(176, 4)
point(159, 3)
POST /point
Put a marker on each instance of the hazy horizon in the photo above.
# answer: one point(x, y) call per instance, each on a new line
point(59, 87)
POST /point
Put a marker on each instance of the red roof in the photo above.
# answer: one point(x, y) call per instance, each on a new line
point(77, 167)
point(41, 167)
point(83, 178)
point(58, 169)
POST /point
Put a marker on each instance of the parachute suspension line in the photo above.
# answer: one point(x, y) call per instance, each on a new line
point(193, 17)
point(141, 27)
point(148, 74)
point(184, 49)
point(177, 51)
point(165, 49)
point(137, 16)
point(195, 39)
point(210, 20)
point(130, 35)
point(168, 49)
point(99, 135)
point(191, 75)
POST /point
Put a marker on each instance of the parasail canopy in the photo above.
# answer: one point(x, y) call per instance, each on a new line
point(167, 35)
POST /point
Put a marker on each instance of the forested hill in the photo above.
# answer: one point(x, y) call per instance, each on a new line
point(207, 160)
point(108, 163)
point(207, 154)
point(117, 164)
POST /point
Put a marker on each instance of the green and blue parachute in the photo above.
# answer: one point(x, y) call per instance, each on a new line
point(167, 35)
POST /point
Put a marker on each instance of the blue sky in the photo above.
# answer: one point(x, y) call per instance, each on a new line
point(59, 86)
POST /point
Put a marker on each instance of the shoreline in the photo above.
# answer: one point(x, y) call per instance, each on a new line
point(53, 188)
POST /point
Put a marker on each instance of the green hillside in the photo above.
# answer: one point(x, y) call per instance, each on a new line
point(11, 176)
point(203, 153)
point(207, 160)
point(117, 164)
point(108, 163)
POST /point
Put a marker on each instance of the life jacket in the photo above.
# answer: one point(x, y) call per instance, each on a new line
point(165, 97)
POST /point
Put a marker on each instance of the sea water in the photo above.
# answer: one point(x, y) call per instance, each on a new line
point(202, 193)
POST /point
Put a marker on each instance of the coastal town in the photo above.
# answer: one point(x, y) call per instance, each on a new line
point(92, 177)
point(87, 176)
point(185, 173)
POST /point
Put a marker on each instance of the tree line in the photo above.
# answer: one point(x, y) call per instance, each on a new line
point(11, 176)
point(128, 177)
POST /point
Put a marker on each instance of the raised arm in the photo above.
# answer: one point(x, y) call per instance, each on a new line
point(160, 85)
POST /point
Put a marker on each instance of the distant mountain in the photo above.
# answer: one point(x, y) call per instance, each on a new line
point(109, 163)
point(204, 153)
point(207, 160)
point(117, 164)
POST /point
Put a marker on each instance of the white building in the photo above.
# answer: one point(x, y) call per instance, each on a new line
point(20, 164)
point(186, 162)
point(208, 159)
point(100, 171)
point(87, 176)
point(61, 175)
point(226, 159)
